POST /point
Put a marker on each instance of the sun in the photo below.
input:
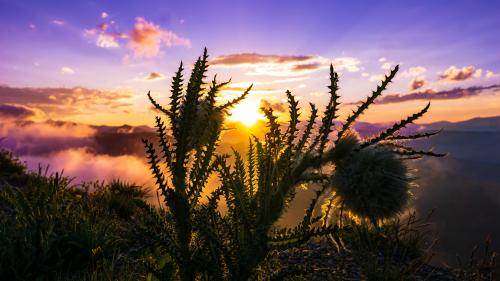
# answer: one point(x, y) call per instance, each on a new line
point(247, 112)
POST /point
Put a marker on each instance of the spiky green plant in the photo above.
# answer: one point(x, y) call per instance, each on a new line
point(211, 245)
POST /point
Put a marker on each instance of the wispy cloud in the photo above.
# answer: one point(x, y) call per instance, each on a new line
point(413, 72)
point(283, 65)
point(57, 22)
point(454, 74)
point(387, 65)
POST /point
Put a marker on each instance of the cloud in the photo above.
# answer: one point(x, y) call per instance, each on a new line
point(382, 59)
point(86, 152)
point(63, 101)
point(106, 41)
point(346, 63)
point(67, 70)
point(317, 94)
point(26, 137)
point(154, 76)
point(490, 74)
point(387, 65)
point(19, 112)
point(103, 26)
point(57, 22)
point(277, 107)
point(456, 93)
point(290, 79)
point(45, 138)
point(87, 166)
point(416, 84)
point(146, 38)
point(283, 65)
point(103, 37)
point(254, 58)
point(413, 72)
point(376, 78)
point(454, 74)
point(309, 66)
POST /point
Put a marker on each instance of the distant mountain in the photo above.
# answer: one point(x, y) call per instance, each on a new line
point(124, 129)
point(480, 124)
point(486, 124)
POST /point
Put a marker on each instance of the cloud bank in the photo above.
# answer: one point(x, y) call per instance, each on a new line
point(62, 101)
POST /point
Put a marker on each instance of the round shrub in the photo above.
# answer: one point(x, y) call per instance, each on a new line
point(372, 183)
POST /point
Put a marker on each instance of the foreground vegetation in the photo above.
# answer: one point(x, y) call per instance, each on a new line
point(52, 230)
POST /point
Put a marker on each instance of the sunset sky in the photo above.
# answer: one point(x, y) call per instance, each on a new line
point(93, 61)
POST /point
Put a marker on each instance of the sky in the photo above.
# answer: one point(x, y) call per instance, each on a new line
point(93, 62)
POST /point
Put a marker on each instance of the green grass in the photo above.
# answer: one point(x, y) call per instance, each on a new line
point(51, 230)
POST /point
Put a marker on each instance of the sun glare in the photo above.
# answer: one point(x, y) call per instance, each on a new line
point(247, 112)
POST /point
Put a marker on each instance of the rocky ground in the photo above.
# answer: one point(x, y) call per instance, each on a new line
point(322, 261)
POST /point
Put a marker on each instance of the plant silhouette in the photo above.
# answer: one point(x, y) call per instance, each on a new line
point(369, 177)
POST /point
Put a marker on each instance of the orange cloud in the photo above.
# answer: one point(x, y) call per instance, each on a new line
point(309, 66)
point(56, 102)
point(283, 65)
point(454, 74)
point(254, 58)
point(416, 84)
point(154, 76)
point(146, 38)
point(277, 107)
